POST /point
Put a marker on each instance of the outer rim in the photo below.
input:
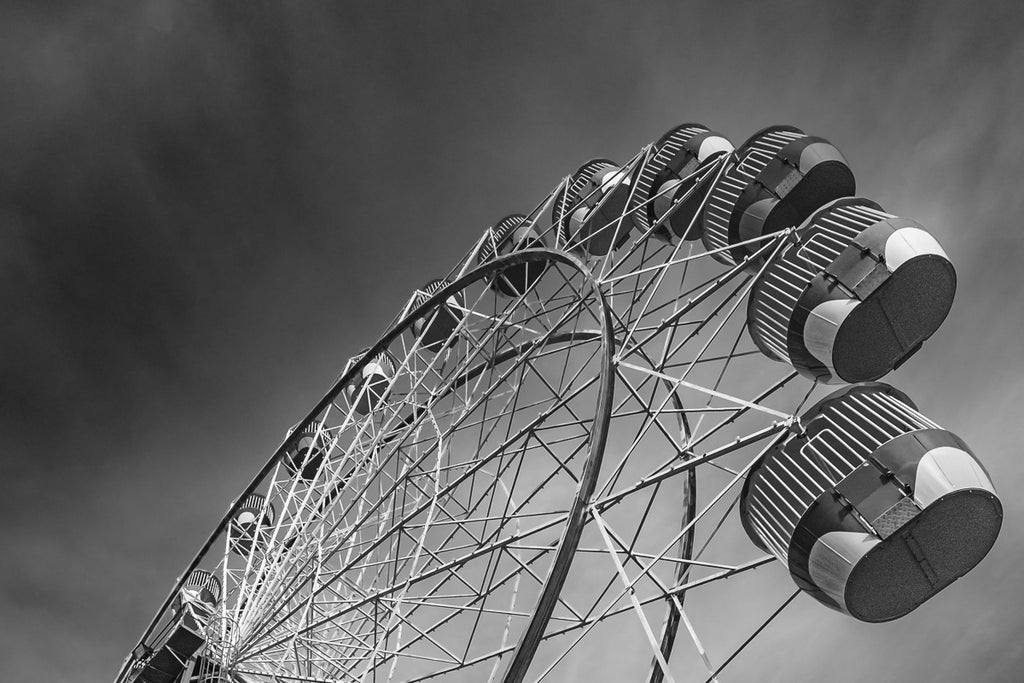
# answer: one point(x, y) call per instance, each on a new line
point(532, 634)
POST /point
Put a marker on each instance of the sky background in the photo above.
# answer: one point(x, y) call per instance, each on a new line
point(206, 207)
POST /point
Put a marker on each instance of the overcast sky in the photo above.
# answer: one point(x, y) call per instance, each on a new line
point(206, 207)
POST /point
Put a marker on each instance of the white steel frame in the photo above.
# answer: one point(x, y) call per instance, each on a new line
point(499, 507)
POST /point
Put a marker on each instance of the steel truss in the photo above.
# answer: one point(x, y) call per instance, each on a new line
point(565, 466)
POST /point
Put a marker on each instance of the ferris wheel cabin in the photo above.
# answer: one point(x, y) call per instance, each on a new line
point(670, 186)
point(855, 297)
point(373, 385)
point(781, 176)
point(513, 233)
point(302, 455)
point(184, 634)
point(591, 212)
point(436, 329)
point(201, 588)
point(873, 507)
point(249, 529)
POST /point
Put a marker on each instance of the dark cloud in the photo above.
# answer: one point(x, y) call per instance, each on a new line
point(204, 208)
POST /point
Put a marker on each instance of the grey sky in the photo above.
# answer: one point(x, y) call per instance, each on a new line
point(206, 207)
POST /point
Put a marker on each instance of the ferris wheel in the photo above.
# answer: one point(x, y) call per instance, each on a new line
point(603, 419)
